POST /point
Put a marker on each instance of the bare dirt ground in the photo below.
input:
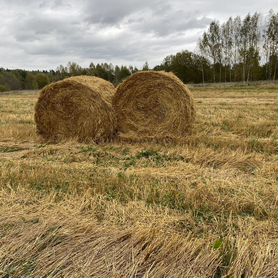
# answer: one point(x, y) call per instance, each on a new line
point(203, 207)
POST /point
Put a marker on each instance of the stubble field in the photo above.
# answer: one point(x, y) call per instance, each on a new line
point(204, 207)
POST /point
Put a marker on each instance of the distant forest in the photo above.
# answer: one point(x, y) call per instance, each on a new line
point(239, 50)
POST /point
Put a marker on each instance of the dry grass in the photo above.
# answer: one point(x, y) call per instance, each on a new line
point(206, 207)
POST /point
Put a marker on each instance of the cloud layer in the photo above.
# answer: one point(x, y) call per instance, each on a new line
point(43, 34)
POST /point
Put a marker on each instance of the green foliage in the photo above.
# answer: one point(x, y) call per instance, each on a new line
point(255, 145)
point(10, 149)
point(270, 46)
point(146, 66)
point(88, 149)
point(218, 244)
point(147, 154)
point(30, 82)
point(189, 67)
point(121, 73)
point(10, 79)
point(3, 88)
point(23, 80)
point(42, 80)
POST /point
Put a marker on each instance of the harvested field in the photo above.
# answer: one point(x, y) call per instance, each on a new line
point(206, 207)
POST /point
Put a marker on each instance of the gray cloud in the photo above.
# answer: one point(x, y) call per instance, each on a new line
point(110, 12)
point(41, 34)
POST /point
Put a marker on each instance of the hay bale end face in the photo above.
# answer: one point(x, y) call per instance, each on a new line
point(153, 104)
point(77, 107)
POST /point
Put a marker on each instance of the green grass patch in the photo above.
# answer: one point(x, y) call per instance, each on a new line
point(10, 149)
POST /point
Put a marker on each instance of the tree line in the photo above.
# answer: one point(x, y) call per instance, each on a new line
point(240, 49)
point(31, 80)
point(235, 48)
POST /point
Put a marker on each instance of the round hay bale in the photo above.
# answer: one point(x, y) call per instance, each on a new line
point(153, 105)
point(78, 107)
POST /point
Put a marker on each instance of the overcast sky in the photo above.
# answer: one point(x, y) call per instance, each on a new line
point(42, 34)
